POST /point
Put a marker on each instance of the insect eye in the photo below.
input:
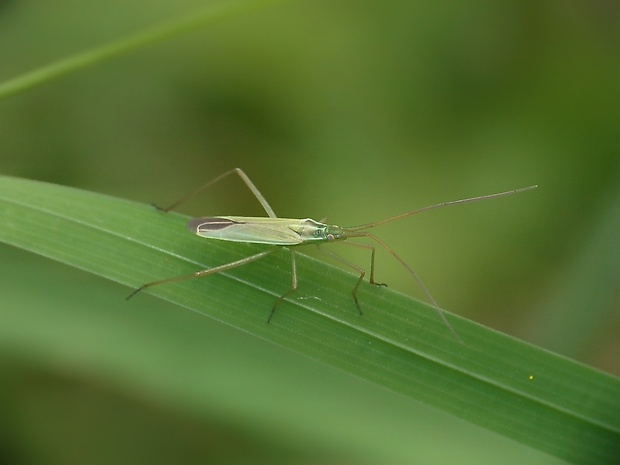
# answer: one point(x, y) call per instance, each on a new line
point(330, 237)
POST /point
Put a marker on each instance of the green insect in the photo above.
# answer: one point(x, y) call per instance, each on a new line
point(287, 232)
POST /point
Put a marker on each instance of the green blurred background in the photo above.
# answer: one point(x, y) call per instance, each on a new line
point(354, 111)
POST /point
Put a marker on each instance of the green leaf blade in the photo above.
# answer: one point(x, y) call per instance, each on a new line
point(527, 394)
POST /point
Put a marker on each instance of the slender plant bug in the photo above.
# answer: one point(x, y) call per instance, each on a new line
point(288, 233)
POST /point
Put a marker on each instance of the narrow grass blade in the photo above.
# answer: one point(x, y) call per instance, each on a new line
point(129, 44)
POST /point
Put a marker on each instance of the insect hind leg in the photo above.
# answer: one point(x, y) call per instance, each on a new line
point(244, 177)
point(205, 272)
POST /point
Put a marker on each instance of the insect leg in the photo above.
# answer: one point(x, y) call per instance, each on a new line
point(208, 271)
point(372, 249)
point(346, 262)
point(262, 200)
point(412, 273)
point(293, 285)
point(244, 178)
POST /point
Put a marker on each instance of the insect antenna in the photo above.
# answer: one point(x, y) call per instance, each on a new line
point(438, 205)
point(359, 231)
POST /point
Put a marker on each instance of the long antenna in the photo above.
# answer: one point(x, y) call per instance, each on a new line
point(358, 231)
point(438, 205)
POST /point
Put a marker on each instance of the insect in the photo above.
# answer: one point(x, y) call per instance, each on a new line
point(287, 232)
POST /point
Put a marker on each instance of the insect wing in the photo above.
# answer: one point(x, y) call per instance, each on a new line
point(274, 231)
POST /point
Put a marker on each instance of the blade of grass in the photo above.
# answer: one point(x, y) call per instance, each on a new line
point(527, 394)
point(72, 323)
point(127, 45)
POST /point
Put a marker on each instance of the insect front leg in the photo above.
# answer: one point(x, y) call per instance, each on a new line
point(373, 250)
point(346, 262)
